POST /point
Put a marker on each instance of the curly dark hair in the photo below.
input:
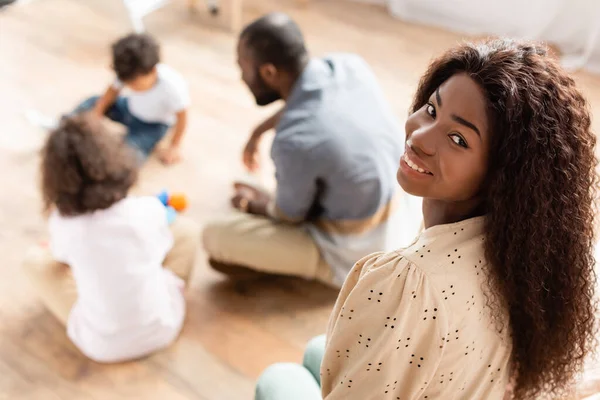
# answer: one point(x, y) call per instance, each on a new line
point(84, 168)
point(540, 205)
point(134, 55)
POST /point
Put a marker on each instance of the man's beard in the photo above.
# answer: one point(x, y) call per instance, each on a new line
point(263, 94)
point(267, 98)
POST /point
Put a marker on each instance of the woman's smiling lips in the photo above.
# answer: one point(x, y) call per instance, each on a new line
point(413, 163)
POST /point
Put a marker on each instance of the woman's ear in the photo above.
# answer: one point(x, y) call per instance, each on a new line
point(269, 74)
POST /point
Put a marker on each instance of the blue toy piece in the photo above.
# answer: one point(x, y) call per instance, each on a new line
point(171, 215)
point(163, 197)
point(171, 212)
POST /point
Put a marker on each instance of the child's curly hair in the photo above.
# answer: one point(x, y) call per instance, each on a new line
point(134, 55)
point(84, 167)
point(540, 205)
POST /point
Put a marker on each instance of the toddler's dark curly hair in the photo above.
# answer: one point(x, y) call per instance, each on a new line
point(134, 55)
point(84, 168)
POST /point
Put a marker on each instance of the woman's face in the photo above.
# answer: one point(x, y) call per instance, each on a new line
point(447, 144)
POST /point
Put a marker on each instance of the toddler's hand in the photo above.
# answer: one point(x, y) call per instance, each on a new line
point(170, 155)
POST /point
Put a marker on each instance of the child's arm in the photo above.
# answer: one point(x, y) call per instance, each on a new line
point(108, 99)
point(172, 153)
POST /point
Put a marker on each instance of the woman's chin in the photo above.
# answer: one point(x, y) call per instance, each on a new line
point(409, 185)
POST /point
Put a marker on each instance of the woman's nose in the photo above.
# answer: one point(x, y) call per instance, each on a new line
point(423, 140)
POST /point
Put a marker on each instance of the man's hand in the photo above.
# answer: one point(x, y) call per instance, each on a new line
point(250, 156)
point(250, 200)
point(241, 201)
point(170, 155)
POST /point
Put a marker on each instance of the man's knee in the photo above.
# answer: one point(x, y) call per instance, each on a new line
point(221, 236)
point(212, 237)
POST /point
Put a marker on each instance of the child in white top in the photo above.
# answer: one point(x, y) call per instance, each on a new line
point(158, 97)
point(126, 305)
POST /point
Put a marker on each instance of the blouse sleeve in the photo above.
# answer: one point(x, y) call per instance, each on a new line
point(351, 280)
point(387, 334)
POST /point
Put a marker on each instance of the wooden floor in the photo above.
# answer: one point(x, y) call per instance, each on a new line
point(55, 52)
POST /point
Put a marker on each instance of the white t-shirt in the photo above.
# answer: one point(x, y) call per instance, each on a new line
point(128, 305)
point(160, 103)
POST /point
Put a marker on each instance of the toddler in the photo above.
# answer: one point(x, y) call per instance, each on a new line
point(114, 271)
point(157, 97)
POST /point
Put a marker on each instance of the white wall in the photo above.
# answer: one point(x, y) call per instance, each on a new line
point(572, 25)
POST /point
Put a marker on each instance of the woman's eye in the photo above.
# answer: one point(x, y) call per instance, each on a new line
point(458, 140)
point(430, 109)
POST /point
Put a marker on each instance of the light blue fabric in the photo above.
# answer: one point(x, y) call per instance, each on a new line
point(313, 356)
point(288, 381)
point(171, 215)
point(142, 136)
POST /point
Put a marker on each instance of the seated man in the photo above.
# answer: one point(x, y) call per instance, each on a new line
point(336, 151)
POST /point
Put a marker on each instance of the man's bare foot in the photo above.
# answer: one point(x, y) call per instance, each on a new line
point(251, 192)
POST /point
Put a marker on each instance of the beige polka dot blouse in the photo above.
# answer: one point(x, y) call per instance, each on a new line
point(413, 324)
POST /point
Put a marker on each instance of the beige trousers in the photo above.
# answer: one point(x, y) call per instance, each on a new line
point(54, 282)
point(266, 246)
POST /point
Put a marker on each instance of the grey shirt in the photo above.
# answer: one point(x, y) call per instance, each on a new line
point(336, 152)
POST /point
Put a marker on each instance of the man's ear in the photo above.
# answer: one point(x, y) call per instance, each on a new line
point(269, 74)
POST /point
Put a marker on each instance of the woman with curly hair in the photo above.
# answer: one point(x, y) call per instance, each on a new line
point(116, 299)
point(497, 291)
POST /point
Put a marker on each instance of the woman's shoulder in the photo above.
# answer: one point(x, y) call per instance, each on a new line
point(431, 255)
point(453, 252)
point(452, 246)
point(379, 259)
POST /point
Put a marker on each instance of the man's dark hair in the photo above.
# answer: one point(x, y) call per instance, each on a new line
point(276, 39)
point(134, 55)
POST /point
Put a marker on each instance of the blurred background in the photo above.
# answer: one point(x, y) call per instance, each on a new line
point(54, 53)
